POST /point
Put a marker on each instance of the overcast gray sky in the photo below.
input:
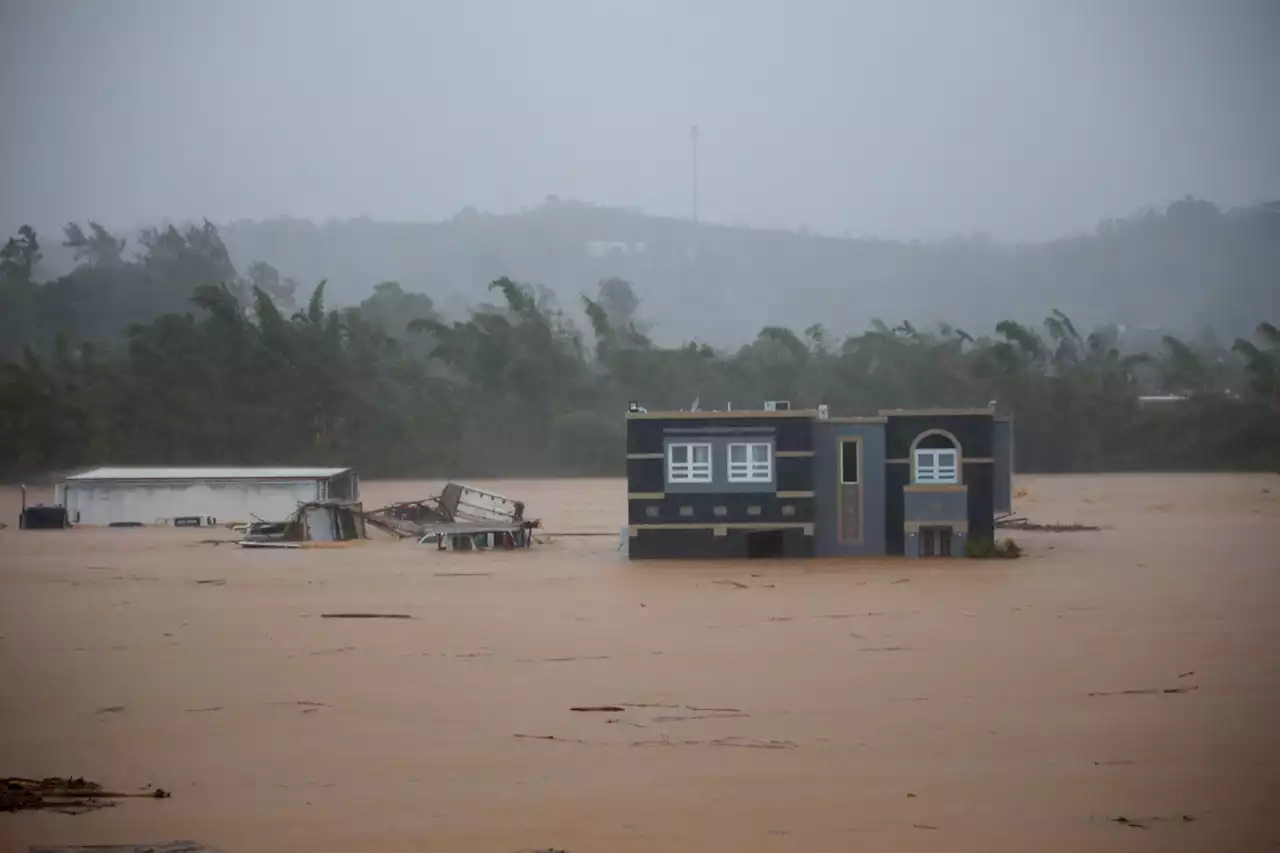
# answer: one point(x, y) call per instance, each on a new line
point(1023, 119)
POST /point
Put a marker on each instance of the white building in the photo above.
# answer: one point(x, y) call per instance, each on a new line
point(212, 495)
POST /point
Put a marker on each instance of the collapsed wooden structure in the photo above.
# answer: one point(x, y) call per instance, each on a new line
point(461, 518)
point(312, 521)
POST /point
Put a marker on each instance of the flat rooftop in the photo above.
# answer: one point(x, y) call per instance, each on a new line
point(810, 414)
point(110, 473)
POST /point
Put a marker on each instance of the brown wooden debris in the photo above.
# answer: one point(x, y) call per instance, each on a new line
point(597, 708)
point(1023, 524)
point(1147, 691)
point(748, 743)
point(66, 795)
point(164, 847)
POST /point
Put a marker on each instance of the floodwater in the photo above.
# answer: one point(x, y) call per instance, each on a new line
point(768, 706)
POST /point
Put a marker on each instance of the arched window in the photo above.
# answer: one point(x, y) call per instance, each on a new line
point(935, 458)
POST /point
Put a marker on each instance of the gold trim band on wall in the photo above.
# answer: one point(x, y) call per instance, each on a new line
point(965, 460)
point(806, 526)
point(916, 413)
point(856, 419)
point(786, 495)
point(646, 496)
point(644, 456)
point(793, 454)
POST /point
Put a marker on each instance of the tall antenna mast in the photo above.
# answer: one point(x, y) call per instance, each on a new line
point(693, 140)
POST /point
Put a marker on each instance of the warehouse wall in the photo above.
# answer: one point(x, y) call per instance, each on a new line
point(150, 503)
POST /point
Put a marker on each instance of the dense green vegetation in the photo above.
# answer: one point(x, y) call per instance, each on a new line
point(175, 357)
point(1185, 267)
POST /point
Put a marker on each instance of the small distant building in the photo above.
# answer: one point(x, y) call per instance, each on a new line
point(798, 483)
point(146, 496)
point(1149, 400)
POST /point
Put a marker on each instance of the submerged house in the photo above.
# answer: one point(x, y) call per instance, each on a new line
point(798, 483)
point(199, 496)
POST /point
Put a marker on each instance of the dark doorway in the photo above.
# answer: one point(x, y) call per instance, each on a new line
point(766, 543)
point(935, 541)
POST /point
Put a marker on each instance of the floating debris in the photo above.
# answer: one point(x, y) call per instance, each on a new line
point(549, 737)
point(611, 708)
point(1019, 523)
point(165, 847)
point(460, 518)
point(1146, 691)
point(73, 795)
point(748, 743)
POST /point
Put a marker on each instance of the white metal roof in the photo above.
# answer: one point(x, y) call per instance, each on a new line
point(209, 474)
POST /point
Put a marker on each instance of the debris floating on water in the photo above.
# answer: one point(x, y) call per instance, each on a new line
point(460, 518)
point(613, 708)
point(1146, 691)
point(1019, 523)
point(73, 795)
point(164, 847)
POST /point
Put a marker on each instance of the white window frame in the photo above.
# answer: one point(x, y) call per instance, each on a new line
point(751, 470)
point(688, 471)
point(936, 472)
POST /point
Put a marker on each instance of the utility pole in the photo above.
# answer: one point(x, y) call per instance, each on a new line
point(693, 139)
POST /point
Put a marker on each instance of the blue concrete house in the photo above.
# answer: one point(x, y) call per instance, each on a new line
point(799, 483)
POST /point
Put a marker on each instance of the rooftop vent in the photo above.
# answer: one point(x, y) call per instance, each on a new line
point(777, 405)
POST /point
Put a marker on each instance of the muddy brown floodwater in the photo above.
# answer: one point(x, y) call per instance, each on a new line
point(1019, 705)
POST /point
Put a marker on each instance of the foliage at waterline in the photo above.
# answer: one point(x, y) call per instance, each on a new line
point(224, 371)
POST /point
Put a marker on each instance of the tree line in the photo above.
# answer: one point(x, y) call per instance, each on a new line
point(174, 357)
point(1183, 266)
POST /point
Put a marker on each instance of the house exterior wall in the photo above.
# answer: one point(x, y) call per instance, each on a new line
point(972, 431)
point(708, 543)
point(106, 502)
point(792, 430)
point(1002, 476)
point(826, 467)
point(718, 509)
point(913, 544)
point(806, 499)
point(977, 445)
point(978, 477)
point(935, 505)
point(716, 519)
point(720, 483)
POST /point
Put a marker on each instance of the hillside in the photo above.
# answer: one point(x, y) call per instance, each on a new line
point(1185, 268)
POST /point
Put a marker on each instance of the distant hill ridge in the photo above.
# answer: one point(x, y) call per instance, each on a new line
point(1188, 267)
